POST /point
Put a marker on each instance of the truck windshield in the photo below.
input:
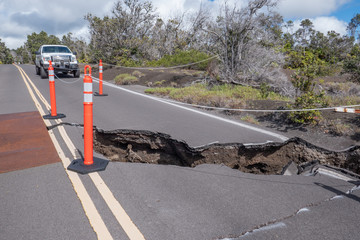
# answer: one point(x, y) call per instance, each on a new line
point(55, 49)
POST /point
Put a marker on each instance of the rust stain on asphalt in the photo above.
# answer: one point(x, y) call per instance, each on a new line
point(24, 142)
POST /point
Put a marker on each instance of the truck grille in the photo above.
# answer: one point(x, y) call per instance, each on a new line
point(61, 61)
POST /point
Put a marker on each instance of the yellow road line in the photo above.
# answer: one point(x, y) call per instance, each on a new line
point(89, 207)
point(118, 211)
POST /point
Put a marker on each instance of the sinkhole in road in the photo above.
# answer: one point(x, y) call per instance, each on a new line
point(157, 148)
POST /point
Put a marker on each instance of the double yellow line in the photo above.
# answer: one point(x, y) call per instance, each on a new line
point(91, 212)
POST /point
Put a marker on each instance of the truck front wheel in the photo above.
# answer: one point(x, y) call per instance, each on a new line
point(76, 73)
point(43, 73)
point(37, 70)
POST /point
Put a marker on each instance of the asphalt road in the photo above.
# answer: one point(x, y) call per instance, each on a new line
point(125, 110)
point(170, 202)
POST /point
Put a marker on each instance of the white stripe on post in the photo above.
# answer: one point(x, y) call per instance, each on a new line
point(51, 75)
point(88, 87)
point(88, 98)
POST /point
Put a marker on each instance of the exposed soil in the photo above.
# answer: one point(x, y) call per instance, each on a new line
point(154, 77)
point(271, 158)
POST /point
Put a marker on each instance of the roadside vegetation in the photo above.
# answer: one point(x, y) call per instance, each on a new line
point(225, 95)
point(125, 79)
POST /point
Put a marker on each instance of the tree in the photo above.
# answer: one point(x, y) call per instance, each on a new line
point(78, 45)
point(5, 55)
point(354, 25)
point(247, 42)
point(303, 34)
point(121, 35)
point(33, 43)
point(352, 64)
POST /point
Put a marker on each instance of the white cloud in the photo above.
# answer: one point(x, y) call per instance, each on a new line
point(325, 24)
point(308, 8)
point(19, 18)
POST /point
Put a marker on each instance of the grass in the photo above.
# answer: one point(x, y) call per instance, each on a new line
point(125, 79)
point(226, 95)
point(138, 74)
point(335, 101)
point(250, 119)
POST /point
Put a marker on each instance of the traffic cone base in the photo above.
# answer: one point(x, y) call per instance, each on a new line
point(79, 166)
point(100, 95)
point(57, 116)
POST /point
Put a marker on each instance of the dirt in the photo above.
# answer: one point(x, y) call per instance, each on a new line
point(153, 77)
point(334, 141)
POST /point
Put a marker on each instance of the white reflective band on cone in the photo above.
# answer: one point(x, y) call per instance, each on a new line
point(51, 75)
point(88, 87)
point(100, 69)
point(88, 98)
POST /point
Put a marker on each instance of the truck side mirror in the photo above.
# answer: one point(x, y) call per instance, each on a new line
point(37, 53)
point(75, 53)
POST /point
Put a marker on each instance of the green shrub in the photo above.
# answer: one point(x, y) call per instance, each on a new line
point(307, 100)
point(181, 57)
point(159, 83)
point(125, 79)
point(250, 119)
point(138, 74)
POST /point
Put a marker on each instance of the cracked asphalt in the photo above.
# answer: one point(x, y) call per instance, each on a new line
point(164, 202)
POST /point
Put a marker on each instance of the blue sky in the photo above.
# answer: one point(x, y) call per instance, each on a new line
point(348, 11)
point(19, 18)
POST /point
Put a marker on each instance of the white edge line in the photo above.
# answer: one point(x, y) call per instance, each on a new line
point(281, 137)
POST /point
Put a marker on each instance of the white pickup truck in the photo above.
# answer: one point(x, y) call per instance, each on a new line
point(63, 60)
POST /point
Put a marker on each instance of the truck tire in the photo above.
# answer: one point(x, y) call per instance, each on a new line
point(76, 73)
point(37, 70)
point(43, 73)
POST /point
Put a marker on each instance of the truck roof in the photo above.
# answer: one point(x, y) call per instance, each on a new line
point(50, 45)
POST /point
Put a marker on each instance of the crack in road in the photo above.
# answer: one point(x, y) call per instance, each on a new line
point(141, 146)
point(275, 223)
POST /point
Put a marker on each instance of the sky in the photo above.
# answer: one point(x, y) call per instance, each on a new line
point(19, 18)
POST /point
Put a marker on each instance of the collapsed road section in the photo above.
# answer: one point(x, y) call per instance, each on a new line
point(270, 158)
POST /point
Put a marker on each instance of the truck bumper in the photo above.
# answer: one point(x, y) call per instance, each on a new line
point(62, 68)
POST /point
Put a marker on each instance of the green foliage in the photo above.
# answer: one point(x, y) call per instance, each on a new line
point(352, 64)
point(301, 59)
point(181, 57)
point(138, 74)
point(264, 90)
point(125, 79)
point(307, 100)
point(35, 40)
point(159, 83)
point(5, 56)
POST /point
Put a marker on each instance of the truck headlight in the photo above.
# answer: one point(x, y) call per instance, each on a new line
point(73, 59)
point(46, 59)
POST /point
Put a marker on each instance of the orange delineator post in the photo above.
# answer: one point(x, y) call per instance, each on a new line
point(52, 90)
point(101, 78)
point(88, 118)
point(53, 114)
point(90, 164)
point(100, 93)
